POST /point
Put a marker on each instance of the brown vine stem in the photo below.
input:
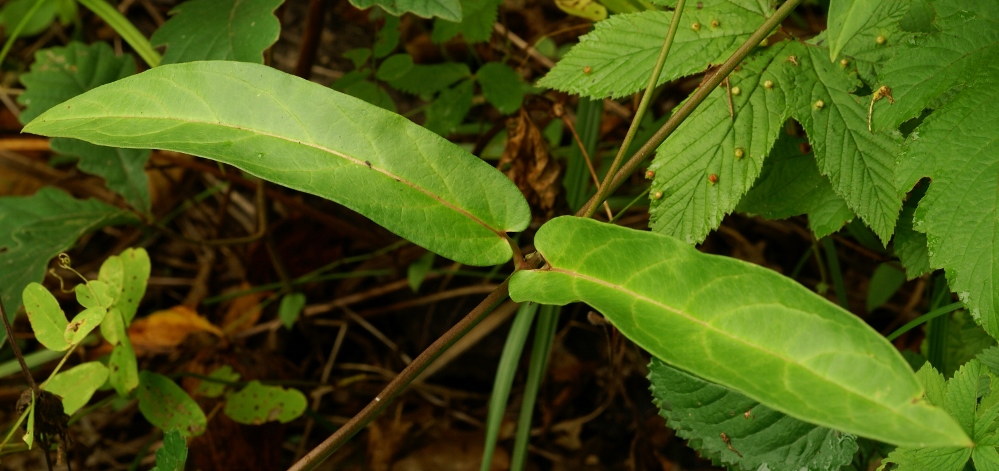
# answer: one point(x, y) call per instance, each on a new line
point(17, 351)
point(691, 104)
point(399, 383)
point(604, 188)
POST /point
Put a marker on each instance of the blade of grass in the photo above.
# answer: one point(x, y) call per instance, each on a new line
point(544, 336)
point(577, 173)
point(125, 29)
point(17, 30)
point(832, 259)
point(505, 372)
point(923, 319)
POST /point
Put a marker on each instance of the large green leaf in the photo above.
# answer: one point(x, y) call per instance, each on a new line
point(956, 146)
point(739, 325)
point(617, 58)
point(758, 436)
point(33, 229)
point(447, 9)
point(310, 138)
point(232, 30)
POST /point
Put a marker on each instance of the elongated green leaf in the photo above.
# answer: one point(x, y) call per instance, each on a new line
point(48, 322)
point(257, 403)
point(33, 229)
point(232, 30)
point(760, 437)
point(617, 58)
point(123, 367)
point(78, 384)
point(136, 264)
point(447, 9)
point(955, 147)
point(305, 136)
point(739, 325)
point(167, 406)
point(790, 184)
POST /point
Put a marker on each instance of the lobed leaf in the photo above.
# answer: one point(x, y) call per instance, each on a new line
point(167, 406)
point(739, 325)
point(759, 437)
point(78, 384)
point(617, 57)
point(307, 137)
point(232, 30)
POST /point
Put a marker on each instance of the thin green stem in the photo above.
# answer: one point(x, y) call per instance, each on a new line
point(625, 208)
point(17, 29)
point(923, 319)
point(544, 337)
point(693, 102)
point(125, 29)
point(398, 384)
point(836, 273)
point(605, 187)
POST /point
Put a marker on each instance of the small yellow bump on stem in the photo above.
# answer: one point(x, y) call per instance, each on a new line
point(715, 23)
point(768, 84)
point(739, 152)
point(844, 62)
point(649, 174)
point(736, 90)
point(763, 43)
point(657, 195)
point(696, 26)
point(881, 40)
point(819, 104)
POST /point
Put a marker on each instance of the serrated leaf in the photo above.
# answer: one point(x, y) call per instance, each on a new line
point(701, 411)
point(124, 371)
point(447, 9)
point(215, 389)
point(61, 73)
point(402, 74)
point(386, 41)
point(232, 30)
point(173, 455)
point(936, 459)
point(501, 86)
point(860, 164)
point(739, 325)
point(290, 308)
point(964, 341)
point(307, 137)
point(617, 57)
point(167, 406)
point(33, 229)
point(706, 144)
point(846, 19)
point(932, 65)
point(790, 184)
point(450, 108)
point(48, 322)
point(124, 170)
point(910, 244)
point(883, 20)
point(78, 384)
point(476, 25)
point(885, 281)
point(256, 404)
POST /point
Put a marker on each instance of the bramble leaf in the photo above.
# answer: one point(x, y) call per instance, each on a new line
point(173, 455)
point(873, 37)
point(123, 169)
point(760, 437)
point(446, 9)
point(449, 109)
point(232, 30)
point(617, 57)
point(167, 406)
point(955, 146)
point(739, 325)
point(402, 74)
point(78, 384)
point(33, 229)
point(48, 322)
point(307, 137)
point(256, 404)
point(501, 86)
point(790, 184)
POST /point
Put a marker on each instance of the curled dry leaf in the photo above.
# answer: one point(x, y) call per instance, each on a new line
point(163, 330)
point(527, 162)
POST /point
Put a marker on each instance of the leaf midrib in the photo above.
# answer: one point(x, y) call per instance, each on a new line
point(499, 232)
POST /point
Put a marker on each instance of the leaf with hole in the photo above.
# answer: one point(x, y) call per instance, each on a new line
point(78, 384)
point(232, 30)
point(307, 137)
point(257, 403)
point(48, 322)
point(167, 406)
point(739, 325)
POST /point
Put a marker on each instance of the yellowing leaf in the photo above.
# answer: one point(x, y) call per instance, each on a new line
point(163, 330)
